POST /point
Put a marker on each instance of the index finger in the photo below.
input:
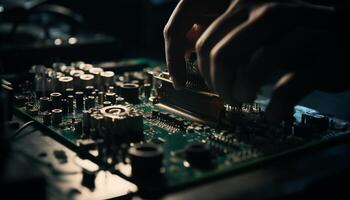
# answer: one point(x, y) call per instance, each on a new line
point(186, 14)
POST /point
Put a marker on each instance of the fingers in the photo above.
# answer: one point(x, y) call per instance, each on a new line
point(287, 54)
point(213, 34)
point(289, 90)
point(186, 13)
point(237, 47)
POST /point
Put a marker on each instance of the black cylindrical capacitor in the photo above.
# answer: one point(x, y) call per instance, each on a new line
point(64, 106)
point(94, 94)
point(111, 89)
point(86, 121)
point(117, 85)
point(88, 90)
point(56, 117)
point(56, 99)
point(101, 97)
point(78, 127)
point(119, 100)
point(106, 103)
point(96, 71)
point(46, 118)
point(70, 100)
point(130, 92)
point(147, 90)
point(146, 160)
point(44, 104)
point(107, 78)
point(65, 82)
point(89, 102)
point(79, 100)
point(86, 79)
point(110, 96)
point(69, 91)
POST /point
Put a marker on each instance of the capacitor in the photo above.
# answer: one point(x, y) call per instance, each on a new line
point(86, 121)
point(79, 100)
point(86, 67)
point(117, 86)
point(89, 90)
point(110, 96)
point(89, 102)
point(76, 78)
point(101, 97)
point(46, 118)
point(55, 79)
point(64, 106)
point(78, 127)
point(119, 100)
point(56, 99)
point(106, 103)
point(111, 89)
point(65, 82)
point(56, 117)
point(107, 78)
point(146, 160)
point(76, 71)
point(69, 91)
point(44, 104)
point(86, 80)
point(70, 100)
point(96, 71)
point(147, 90)
point(77, 64)
point(199, 155)
point(57, 66)
point(130, 92)
point(96, 122)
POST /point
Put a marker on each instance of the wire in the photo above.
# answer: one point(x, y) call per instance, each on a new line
point(20, 129)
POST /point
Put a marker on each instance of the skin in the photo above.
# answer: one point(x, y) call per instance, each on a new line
point(243, 44)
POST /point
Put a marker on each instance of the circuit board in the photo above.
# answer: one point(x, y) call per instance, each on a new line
point(147, 140)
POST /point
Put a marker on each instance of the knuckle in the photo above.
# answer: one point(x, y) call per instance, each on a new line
point(269, 10)
point(167, 31)
point(217, 54)
point(200, 46)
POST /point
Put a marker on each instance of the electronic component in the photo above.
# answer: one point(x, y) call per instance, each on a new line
point(199, 155)
point(146, 160)
point(56, 99)
point(47, 118)
point(56, 117)
point(130, 92)
point(86, 80)
point(45, 104)
point(110, 96)
point(79, 99)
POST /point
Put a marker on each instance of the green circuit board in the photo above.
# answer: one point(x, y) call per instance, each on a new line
point(230, 153)
point(231, 150)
